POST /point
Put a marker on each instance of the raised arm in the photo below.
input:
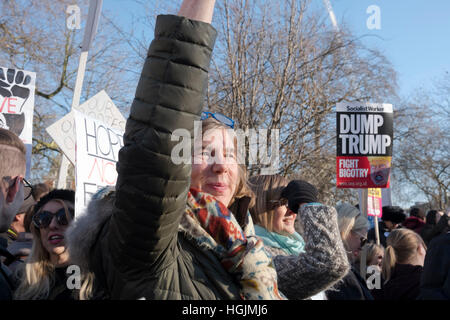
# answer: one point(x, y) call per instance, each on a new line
point(200, 10)
point(324, 261)
point(151, 188)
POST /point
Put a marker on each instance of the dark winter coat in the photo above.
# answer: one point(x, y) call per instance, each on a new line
point(135, 248)
point(351, 287)
point(435, 281)
point(404, 284)
point(6, 285)
point(430, 231)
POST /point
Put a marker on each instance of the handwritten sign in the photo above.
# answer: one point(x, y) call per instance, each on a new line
point(17, 105)
point(97, 152)
point(98, 107)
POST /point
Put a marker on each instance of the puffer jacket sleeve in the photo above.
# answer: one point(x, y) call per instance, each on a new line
point(324, 261)
point(151, 188)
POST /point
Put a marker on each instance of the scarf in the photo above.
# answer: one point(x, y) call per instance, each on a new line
point(293, 245)
point(209, 223)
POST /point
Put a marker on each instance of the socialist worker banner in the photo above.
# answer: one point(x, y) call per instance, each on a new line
point(364, 145)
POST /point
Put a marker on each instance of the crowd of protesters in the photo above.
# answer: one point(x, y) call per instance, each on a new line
point(204, 230)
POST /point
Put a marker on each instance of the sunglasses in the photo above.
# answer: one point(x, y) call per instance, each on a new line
point(363, 240)
point(44, 218)
point(277, 203)
point(219, 117)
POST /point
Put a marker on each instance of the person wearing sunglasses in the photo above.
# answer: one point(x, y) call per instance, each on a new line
point(353, 228)
point(43, 275)
point(17, 225)
point(12, 171)
point(304, 269)
point(372, 254)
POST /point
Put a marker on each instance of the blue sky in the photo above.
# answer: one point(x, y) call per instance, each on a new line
point(414, 35)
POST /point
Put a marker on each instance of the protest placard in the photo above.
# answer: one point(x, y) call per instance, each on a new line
point(374, 203)
point(98, 107)
point(97, 152)
point(17, 105)
point(364, 145)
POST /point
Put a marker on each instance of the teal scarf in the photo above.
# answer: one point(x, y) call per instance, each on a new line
point(292, 245)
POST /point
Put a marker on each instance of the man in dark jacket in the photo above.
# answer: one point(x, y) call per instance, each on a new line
point(12, 170)
point(436, 224)
point(392, 217)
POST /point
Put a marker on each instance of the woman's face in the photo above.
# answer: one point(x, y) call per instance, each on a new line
point(52, 237)
point(283, 220)
point(354, 242)
point(377, 260)
point(215, 167)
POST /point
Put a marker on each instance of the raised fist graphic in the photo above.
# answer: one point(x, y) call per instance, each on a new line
point(14, 84)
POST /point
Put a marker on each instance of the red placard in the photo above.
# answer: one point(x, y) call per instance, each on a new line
point(363, 172)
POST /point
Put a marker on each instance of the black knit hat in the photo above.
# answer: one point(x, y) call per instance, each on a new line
point(60, 194)
point(394, 214)
point(299, 191)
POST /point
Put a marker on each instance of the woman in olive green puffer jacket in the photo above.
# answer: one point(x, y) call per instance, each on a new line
point(132, 240)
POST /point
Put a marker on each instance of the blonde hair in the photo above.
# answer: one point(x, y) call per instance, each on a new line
point(402, 245)
point(243, 189)
point(350, 218)
point(37, 273)
point(267, 189)
point(380, 160)
point(369, 251)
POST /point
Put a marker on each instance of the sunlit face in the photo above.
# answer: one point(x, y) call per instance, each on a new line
point(283, 220)
point(52, 237)
point(390, 225)
point(377, 260)
point(215, 167)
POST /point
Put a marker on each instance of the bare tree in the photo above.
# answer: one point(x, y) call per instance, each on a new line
point(34, 37)
point(278, 65)
point(422, 148)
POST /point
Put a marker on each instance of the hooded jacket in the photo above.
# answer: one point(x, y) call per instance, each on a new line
point(414, 223)
point(131, 241)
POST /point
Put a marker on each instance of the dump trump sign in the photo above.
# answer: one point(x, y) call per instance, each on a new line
point(364, 145)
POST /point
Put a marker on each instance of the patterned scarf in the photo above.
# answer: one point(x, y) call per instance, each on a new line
point(240, 252)
point(292, 245)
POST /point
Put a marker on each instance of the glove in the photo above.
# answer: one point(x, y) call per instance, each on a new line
point(299, 191)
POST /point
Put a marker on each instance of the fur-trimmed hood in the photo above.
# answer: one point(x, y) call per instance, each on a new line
point(83, 232)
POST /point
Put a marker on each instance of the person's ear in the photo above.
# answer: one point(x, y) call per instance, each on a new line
point(421, 250)
point(13, 190)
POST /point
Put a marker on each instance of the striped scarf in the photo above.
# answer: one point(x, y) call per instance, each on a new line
point(240, 252)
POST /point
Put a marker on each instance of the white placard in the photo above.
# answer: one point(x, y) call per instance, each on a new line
point(17, 105)
point(97, 153)
point(98, 107)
